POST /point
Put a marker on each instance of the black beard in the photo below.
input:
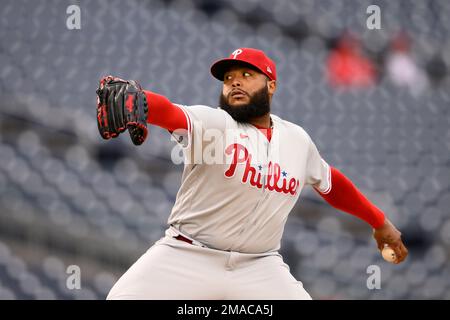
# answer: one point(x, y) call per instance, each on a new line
point(258, 106)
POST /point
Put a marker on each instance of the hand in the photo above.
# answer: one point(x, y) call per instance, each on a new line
point(388, 234)
point(121, 105)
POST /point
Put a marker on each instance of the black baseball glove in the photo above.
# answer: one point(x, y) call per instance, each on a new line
point(121, 105)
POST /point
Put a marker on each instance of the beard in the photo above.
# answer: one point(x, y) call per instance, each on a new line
point(258, 106)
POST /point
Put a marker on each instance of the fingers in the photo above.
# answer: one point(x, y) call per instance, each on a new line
point(118, 109)
point(400, 251)
point(102, 115)
point(124, 106)
point(388, 235)
point(142, 108)
point(110, 110)
point(380, 245)
point(138, 133)
point(102, 122)
point(137, 108)
point(380, 241)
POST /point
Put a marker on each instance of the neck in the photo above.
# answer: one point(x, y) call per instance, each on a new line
point(263, 121)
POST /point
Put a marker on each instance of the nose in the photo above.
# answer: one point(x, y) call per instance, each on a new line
point(236, 82)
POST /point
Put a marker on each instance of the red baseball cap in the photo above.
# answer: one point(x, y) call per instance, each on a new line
point(254, 57)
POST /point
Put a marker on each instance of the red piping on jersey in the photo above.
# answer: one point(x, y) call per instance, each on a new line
point(346, 197)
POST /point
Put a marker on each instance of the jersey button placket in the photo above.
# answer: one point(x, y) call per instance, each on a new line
point(254, 216)
point(265, 163)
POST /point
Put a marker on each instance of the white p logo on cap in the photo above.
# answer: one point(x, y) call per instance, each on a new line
point(236, 53)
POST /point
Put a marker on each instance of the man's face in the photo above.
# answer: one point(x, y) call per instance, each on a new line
point(246, 93)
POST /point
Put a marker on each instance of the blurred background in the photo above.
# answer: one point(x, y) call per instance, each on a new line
point(376, 102)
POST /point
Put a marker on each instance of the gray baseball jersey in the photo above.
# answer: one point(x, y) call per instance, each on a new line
point(236, 192)
point(238, 187)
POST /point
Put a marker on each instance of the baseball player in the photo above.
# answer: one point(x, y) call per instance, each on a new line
point(244, 170)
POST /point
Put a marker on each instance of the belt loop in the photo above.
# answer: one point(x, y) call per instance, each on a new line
point(181, 238)
point(177, 234)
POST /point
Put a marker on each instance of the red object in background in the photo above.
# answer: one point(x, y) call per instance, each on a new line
point(347, 66)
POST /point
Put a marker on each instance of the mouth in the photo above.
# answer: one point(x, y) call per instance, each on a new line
point(238, 94)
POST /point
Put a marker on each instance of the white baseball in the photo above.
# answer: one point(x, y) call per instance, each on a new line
point(388, 254)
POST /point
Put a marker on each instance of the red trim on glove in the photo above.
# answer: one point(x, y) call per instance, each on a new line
point(164, 113)
point(346, 197)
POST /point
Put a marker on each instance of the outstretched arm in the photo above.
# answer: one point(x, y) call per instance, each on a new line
point(164, 113)
point(123, 104)
point(345, 196)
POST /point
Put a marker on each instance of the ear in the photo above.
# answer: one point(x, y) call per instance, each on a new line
point(271, 86)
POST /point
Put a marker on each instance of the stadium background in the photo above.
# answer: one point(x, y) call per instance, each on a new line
point(69, 198)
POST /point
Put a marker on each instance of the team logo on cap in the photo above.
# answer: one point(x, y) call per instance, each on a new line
point(236, 53)
point(269, 70)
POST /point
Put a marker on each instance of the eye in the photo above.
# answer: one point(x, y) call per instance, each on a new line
point(247, 74)
point(227, 77)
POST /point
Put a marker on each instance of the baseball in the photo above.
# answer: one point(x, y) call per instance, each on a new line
point(388, 254)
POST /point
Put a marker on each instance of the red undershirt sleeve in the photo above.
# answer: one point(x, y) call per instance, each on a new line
point(164, 113)
point(346, 197)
